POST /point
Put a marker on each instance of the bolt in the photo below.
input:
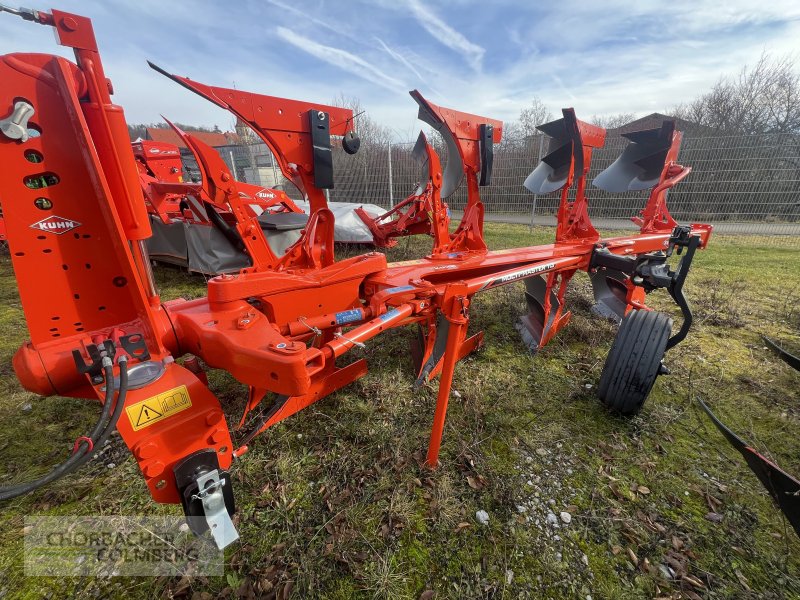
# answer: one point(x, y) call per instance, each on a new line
point(153, 469)
point(69, 24)
point(146, 450)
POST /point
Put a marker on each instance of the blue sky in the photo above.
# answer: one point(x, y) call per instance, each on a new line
point(484, 57)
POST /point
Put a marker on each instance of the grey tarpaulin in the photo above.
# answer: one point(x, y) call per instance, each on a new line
point(204, 249)
point(349, 228)
point(199, 248)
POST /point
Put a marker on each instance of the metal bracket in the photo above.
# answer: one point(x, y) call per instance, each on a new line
point(135, 345)
point(650, 271)
point(210, 487)
point(207, 496)
point(658, 274)
point(486, 144)
point(319, 124)
point(96, 353)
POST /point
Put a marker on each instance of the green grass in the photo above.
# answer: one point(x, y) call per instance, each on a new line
point(334, 501)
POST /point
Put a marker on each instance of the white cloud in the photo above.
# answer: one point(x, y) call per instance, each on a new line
point(307, 17)
point(340, 58)
point(445, 34)
point(399, 58)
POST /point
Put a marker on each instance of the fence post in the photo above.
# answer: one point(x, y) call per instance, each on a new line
point(391, 187)
point(274, 170)
point(365, 179)
point(233, 166)
point(535, 196)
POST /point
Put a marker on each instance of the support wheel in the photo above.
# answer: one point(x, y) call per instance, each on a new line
point(634, 361)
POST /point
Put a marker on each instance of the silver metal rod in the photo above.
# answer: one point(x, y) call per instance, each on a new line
point(391, 186)
point(148, 268)
point(233, 166)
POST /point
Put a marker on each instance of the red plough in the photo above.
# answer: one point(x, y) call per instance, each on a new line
point(282, 330)
point(470, 143)
point(208, 227)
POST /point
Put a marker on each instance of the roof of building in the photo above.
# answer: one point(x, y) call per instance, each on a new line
point(209, 137)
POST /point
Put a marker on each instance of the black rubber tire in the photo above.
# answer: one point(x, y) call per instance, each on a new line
point(634, 360)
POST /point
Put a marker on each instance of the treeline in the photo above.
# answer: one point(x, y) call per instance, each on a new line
point(139, 130)
point(761, 98)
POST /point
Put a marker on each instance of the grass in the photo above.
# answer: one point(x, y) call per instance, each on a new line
point(334, 502)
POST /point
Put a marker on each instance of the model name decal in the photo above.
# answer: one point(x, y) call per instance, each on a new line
point(525, 273)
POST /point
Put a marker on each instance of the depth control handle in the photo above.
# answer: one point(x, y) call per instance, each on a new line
point(15, 126)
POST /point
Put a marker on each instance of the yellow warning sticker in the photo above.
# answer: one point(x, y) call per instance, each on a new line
point(155, 409)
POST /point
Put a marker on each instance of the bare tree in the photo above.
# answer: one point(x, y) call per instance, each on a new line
point(533, 116)
point(612, 121)
point(783, 104)
point(762, 98)
point(518, 134)
point(370, 132)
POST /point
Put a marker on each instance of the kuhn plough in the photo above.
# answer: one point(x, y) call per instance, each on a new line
point(99, 330)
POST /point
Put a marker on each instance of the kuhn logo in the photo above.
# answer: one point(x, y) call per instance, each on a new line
point(56, 224)
point(155, 151)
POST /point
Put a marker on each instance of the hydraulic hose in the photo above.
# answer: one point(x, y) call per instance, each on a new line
point(83, 451)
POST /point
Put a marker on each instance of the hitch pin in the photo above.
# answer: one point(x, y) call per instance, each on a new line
point(311, 328)
point(347, 339)
point(208, 490)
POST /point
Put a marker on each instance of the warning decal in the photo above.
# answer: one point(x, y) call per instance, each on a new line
point(145, 413)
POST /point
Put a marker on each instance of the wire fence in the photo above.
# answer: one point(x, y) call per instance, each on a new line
point(745, 184)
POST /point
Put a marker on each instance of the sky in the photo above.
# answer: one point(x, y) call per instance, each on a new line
point(487, 58)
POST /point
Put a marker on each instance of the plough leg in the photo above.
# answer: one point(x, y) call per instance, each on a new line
point(458, 320)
